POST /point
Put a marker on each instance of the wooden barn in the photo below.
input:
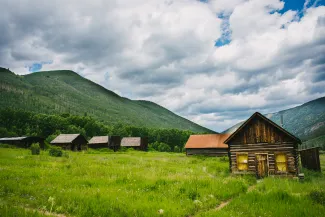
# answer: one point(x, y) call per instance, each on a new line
point(260, 146)
point(23, 142)
point(137, 143)
point(112, 142)
point(207, 144)
point(74, 142)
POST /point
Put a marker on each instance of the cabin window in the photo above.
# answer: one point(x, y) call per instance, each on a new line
point(242, 161)
point(281, 162)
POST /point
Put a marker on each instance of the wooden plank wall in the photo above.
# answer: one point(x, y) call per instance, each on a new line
point(310, 159)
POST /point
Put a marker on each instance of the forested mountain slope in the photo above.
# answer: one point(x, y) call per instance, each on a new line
point(56, 92)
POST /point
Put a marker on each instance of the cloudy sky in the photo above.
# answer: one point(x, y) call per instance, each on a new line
point(214, 62)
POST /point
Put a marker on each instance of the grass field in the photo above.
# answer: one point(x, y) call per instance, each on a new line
point(146, 184)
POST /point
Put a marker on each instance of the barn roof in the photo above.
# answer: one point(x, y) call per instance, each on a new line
point(257, 114)
point(131, 141)
point(207, 141)
point(13, 138)
point(65, 138)
point(98, 140)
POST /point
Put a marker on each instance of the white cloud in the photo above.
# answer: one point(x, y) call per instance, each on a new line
point(164, 51)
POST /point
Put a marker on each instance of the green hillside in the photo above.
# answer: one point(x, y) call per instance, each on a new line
point(57, 92)
point(306, 121)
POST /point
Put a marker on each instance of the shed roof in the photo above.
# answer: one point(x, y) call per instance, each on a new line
point(65, 138)
point(131, 141)
point(257, 114)
point(98, 140)
point(207, 141)
point(13, 138)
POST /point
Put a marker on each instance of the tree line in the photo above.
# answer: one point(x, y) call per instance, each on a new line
point(25, 123)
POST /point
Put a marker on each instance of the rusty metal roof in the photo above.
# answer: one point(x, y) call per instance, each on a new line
point(131, 141)
point(98, 140)
point(65, 138)
point(207, 141)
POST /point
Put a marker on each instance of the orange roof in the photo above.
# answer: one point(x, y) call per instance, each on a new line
point(207, 141)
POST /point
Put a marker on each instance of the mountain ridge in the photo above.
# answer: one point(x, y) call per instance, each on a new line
point(65, 91)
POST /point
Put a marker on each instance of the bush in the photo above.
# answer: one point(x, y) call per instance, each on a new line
point(55, 151)
point(163, 147)
point(177, 149)
point(318, 196)
point(35, 148)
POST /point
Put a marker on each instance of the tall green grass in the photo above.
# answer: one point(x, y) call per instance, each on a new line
point(116, 184)
point(132, 183)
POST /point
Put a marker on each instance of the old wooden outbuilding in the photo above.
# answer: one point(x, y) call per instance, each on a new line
point(74, 142)
point(207, 144)
point(112, 142)
point(310, 159)
point(137, 143)
point(23, 141)
point(260, 146)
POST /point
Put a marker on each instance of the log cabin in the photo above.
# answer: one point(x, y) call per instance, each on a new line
point(260, 146)
point(111, 142)
point(207, 144)
point(73, 142)
point(23, 141)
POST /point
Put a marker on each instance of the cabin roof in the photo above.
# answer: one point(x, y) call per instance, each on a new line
point(207, 141)
point(13, 138)
point(65, 138)
point(257, 114)
point(131, 141)
point(98, 140)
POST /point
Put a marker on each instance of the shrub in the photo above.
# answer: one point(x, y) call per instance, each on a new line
point(55, 151)
point(163, 147)
point(65, 154)
point(35, 148)
point(318, 196)
point(177, 149)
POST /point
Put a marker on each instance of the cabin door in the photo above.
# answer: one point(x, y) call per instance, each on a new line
point(262, 169)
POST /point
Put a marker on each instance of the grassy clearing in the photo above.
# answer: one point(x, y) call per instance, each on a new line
point(116, 184)
point(280, 197)
point(145, 184)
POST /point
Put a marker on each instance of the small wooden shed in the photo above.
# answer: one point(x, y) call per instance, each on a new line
point(23, 141)
point(137, 143)
point(310, 159)
point(112, 142)
point(260, 146)
point(207, 144)
point(74, 142)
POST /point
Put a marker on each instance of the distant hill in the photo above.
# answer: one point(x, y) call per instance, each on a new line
point(63, 91)
point(306, 121)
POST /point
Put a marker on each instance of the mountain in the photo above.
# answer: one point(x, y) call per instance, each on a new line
point(64, 91)
point(306, 121)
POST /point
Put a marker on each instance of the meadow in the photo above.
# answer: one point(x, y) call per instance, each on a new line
point(93, 183)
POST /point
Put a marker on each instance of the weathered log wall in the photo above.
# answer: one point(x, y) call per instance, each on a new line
point(207, 151)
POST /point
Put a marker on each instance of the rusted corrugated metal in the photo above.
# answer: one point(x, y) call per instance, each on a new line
point(98, 140)
point(207, 141)
point(310, 159)
point(64, 138)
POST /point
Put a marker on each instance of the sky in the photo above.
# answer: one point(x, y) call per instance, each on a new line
point(214, 62)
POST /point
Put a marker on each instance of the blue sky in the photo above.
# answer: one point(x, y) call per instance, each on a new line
point(214, 62)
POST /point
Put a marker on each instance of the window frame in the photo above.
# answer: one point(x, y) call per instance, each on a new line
point(276, 163)
point(237, 163)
